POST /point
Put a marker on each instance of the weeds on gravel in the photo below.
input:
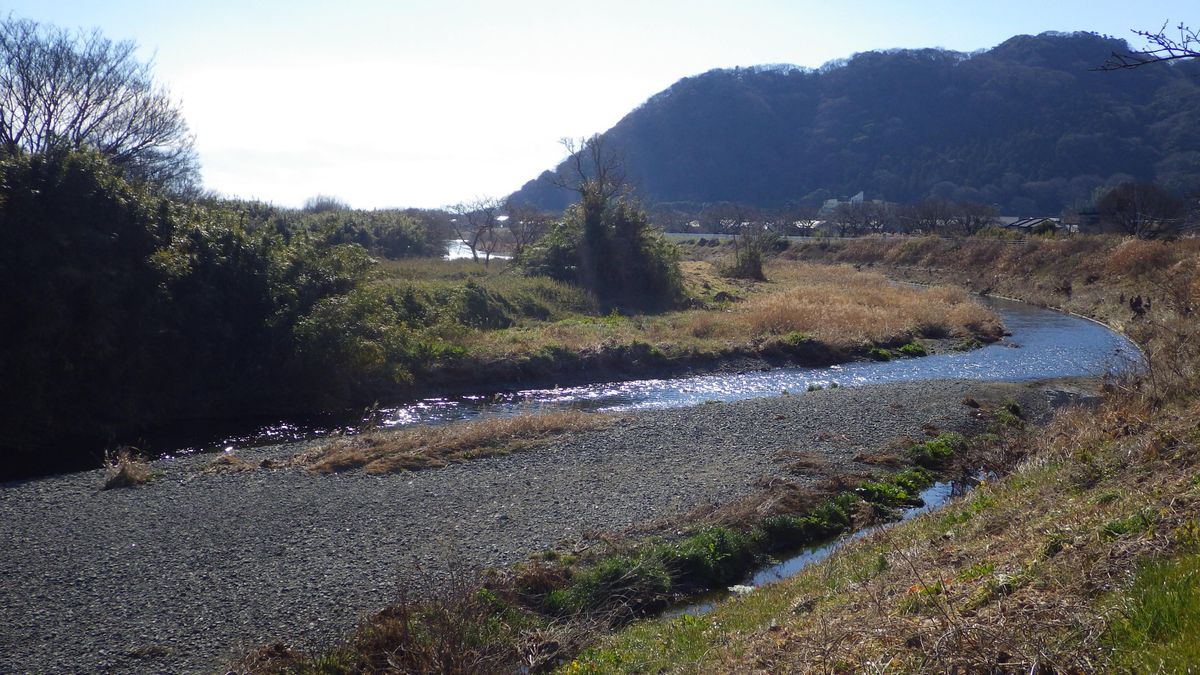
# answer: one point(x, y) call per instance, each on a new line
point(230, 464)
point(461, 627)
point(124, 468)
point(938, 451)
point(546, 611)
point(432, 446)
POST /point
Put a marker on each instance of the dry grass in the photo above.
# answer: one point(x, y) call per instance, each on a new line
point(844, 308)
point(124, 468)
point(1017, 575)
point(230, 464)
point(836, 305)
point(426, 447)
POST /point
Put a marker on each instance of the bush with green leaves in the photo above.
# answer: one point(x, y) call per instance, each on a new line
point(610, 249)
point(128, 309)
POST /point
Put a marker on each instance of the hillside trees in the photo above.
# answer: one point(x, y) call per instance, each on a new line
point(1028, 126)
point(62, 91)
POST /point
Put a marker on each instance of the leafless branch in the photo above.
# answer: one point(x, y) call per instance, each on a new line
point(1161, 47)
point(66, 91)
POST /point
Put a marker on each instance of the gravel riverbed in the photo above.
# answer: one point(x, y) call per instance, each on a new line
point(194, 568)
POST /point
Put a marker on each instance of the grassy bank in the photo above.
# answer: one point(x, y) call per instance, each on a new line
point(488, 325)
point(1080, 558)
point(1067, 564)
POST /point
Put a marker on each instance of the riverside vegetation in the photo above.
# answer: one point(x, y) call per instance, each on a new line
point(1078, 555)
point(138, 309)
point(1077, 552)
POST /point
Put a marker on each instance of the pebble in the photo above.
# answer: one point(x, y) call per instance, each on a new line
point(194, 569)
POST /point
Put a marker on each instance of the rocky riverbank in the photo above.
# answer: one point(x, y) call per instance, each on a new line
point(180, 574)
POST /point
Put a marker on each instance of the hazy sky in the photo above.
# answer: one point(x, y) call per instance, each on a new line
point(428, 103)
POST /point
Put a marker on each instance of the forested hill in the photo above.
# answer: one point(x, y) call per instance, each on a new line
point(1029, 125)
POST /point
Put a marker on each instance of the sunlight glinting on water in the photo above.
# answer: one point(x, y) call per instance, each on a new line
point(1043, 344)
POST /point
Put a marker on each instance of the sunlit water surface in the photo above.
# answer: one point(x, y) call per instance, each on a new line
point(1042, 344)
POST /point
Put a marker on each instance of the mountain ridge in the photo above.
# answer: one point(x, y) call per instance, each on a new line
point(1028, 125)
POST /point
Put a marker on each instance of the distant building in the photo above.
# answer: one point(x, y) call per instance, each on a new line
point(831, 205)
point(1034, 225)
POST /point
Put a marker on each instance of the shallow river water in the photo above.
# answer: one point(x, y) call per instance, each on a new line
point(1042, 344)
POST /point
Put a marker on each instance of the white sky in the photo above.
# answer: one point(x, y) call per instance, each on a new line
point(410, 103)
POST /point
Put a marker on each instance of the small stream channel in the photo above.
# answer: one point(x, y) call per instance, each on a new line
point(1041, 344)
point(932, 498)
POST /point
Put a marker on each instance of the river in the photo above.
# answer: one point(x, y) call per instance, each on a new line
point(1041, 344)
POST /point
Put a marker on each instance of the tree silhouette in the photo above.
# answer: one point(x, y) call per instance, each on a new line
point(63, 91)
point(1162, 46)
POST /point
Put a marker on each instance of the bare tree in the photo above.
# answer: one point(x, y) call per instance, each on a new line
point(931, 216)
point(1142, 210)
point(751, 236)
point(1161, 46)
point(475, 225)
point(598, 176)
point(971, 217)
point(65, 91)
point(323, 203)
point(597, 172)
point(526, 224)
point(860, 218)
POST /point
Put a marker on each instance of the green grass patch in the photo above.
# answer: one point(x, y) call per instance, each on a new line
point(1157, 619)
point(913, 349)
point(936, 452)
point(977, 571)
point(880, 354)
point(796, 339)
point(1135, 524)
point(828, 520)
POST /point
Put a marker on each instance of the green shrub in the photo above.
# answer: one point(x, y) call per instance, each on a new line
point(880, 354)
point(796, 339)
point(914, 349)
point(912, 480)
point(936, 452)
point(715, 557)
point(582, 248)
point(631, 580)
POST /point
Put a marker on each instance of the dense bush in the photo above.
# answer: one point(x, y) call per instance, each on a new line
point(610, 250)
point(391, 234)
point(124, 308)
